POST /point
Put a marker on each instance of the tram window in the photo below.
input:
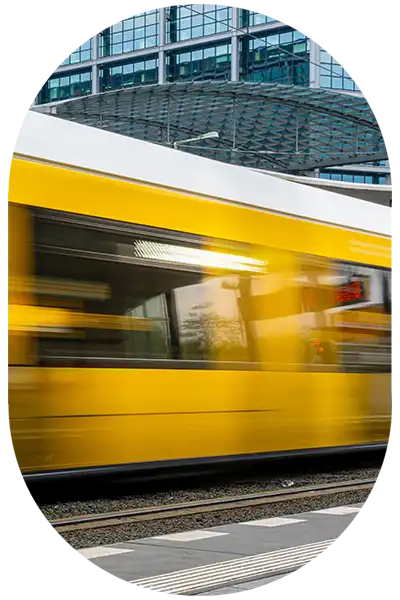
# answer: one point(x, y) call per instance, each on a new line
point(387, 290)
point(272, 312)
point(316, 281)
point(361, 321)
point(345, 324)
point(209, 320)
point(123, 307)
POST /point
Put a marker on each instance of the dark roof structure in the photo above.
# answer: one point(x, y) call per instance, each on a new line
point(264, 126)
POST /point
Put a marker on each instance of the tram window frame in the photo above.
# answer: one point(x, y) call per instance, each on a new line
point(373, 367)
point(80, 235)
point(120, 232)
point(338, 364)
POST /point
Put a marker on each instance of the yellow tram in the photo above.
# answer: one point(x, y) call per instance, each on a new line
point(166, 309)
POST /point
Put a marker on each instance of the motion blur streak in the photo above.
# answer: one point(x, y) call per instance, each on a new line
point(151, 325)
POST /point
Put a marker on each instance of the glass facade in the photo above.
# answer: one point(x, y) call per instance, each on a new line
point(135, 72)
point(280, 57)
point(128, 54)
point(333, 75)
point(277, 55)
point(376, 163)
point(354, 177)
point(207, 62)
point(137, 33)
point(83, 53)
point(64, 86)
point(197, 20)
point(249, 18)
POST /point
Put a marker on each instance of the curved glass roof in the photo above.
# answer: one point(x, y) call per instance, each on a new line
point(265, 126)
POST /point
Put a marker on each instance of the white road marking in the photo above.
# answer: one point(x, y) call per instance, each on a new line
point(273, 522)
point(100, 551)
point(338, 510)
point(189, 536)
point(231, 571)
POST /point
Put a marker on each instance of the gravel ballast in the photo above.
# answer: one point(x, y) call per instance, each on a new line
point(131, 531)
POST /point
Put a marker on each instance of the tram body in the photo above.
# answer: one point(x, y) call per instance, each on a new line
point(166, 309)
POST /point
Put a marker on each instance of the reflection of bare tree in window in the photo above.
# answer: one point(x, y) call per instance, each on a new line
point(206, 334)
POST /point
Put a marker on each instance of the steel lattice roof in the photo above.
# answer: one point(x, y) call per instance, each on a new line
point(266, 126)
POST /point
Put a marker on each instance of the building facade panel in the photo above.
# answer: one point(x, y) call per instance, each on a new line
point(136, 33)
point(196, 21)
point(199, 64)
point(128, 73)
point(198, 42)
point(279, 57)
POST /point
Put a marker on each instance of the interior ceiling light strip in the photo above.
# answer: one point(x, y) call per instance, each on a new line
point(197, 257)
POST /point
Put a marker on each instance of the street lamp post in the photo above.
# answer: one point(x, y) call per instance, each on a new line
point(205, 136)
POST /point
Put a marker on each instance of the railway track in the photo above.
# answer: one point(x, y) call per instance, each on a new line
point(169, 511)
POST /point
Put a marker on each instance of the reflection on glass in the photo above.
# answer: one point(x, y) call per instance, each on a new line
point(213, 62)
point(197, 20)
point(100, 302)
point(280, 57)
point(209, 320)
point(66, 86)
point(333, 75)
point(83, 53)
point(138, 72)
point(135, 33)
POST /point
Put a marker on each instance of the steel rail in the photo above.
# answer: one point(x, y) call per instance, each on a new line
point(154, 513)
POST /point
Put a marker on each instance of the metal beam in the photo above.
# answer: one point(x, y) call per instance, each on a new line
point(315, 61)
point(95, 68)
point(235, 46)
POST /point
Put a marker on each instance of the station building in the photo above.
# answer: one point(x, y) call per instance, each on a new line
point(277, 99)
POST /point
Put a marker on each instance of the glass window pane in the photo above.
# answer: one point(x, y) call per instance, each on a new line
point(151, 18)
point(128, 46)
point(273, 40)
point(150, 42)
point(325, 81)
point(221, 50)
point(197, 32)
point(128, 24)
point(209, 52)
point(117, 38)
point(337, 83)
point(285, 38)
point(128, 68)
point(128, 35)
point(348, 84)
point(117, 27)
point(116, 49)
point(139, 44)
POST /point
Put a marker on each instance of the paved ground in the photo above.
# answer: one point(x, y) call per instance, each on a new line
point(224, 559)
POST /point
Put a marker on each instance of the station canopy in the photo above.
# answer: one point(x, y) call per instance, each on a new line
point(264, 126)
